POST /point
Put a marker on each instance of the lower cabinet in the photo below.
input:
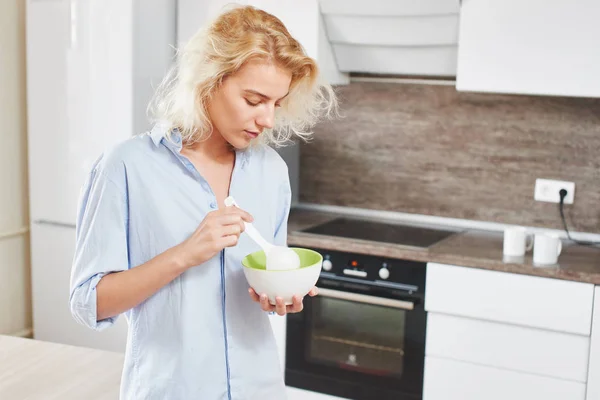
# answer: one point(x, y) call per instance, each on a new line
point(456, 380)
point(500, 336)
point(593, 383)
point(517, 348)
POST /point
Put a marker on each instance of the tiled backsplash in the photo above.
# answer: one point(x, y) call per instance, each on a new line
point(431, 150)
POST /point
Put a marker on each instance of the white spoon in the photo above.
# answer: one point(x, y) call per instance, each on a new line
point(278, 257)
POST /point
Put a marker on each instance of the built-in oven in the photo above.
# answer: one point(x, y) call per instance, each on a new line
point(363, 336)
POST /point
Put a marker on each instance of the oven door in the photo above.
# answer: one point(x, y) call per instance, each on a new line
point(358, 346)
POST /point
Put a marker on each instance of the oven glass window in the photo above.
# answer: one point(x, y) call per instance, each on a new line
point(357, 336)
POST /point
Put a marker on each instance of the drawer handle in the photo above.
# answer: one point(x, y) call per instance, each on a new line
point(366, 299)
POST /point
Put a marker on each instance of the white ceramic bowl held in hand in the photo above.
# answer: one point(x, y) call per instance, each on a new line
point(281, 283)
point(278, 257)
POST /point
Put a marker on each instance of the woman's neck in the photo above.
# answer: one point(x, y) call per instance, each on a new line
point(214, 148)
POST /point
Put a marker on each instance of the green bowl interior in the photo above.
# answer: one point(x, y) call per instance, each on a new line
point(258, 260)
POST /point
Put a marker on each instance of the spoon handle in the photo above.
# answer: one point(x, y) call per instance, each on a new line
point(250, 229)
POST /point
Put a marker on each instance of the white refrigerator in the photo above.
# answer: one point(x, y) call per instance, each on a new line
point(91, 68)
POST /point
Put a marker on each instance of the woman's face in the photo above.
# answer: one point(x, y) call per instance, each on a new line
point(245, 103)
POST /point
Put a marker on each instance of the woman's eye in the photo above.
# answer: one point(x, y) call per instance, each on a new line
point(277, 105)
point(251, 103)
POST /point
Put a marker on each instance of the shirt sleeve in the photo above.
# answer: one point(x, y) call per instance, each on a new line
point(283, 210)
point(101, 245)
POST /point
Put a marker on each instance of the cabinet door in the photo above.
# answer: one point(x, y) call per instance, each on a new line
point(593, 388)
point(508, 346)
point(530, 47)
point(453, 380)
point(48, 38)
point(51, 258)
point(79, 96)
point(510, 298)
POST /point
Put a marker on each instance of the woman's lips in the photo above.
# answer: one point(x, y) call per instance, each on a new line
point(252, 134)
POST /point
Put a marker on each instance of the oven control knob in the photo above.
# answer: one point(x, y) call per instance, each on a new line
point(327, 265)
point(384, 273)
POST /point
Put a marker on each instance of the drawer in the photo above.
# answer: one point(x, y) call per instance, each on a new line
point(400, 31)
point(425, 60)
point(512, 347)
point(513, 298)
point(389, 8)
point(454, 380)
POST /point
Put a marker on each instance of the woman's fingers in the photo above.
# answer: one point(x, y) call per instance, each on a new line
point(231, 230)
point(296, 305)
point(244, 215)
point(280, 307)
point(264, 303)
point(253, 295)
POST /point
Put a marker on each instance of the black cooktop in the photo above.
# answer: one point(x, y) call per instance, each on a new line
point(381, 232)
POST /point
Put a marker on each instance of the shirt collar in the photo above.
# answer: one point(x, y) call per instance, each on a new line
point(158, 132)
point(172, 138)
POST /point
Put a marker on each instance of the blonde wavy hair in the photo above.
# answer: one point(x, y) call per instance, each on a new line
point(237, 36)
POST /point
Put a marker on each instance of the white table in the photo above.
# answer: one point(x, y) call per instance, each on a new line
point(36, 370)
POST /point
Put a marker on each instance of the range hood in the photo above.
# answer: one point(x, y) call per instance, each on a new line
point(396, 37)
point(389, 37)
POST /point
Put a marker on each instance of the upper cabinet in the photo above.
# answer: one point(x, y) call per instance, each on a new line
point(530, 47)
point(523, 47)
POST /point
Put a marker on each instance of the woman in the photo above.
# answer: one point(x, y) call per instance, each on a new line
point(154, 239)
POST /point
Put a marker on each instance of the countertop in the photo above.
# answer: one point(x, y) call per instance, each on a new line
point(36, 370)
point(468, 248)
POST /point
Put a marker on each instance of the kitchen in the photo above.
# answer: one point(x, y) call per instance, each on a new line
point(450, 124)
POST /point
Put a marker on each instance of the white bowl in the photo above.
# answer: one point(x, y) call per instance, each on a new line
point(283, 283)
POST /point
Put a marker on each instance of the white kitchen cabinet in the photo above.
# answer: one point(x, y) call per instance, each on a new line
point(511, 347)
point(54, 247)
point(593, 388)
point(530, 47)
point(532, 301)
point(495, 335)
point(454, 380)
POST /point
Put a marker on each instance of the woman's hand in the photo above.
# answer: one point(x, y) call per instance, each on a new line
point(280, 308)
point(219, 229)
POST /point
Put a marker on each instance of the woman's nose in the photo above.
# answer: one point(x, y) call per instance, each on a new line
point(267, 118)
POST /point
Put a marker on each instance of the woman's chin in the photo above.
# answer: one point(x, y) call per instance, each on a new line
point(241, 143)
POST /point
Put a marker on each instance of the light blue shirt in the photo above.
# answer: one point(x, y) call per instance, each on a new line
point(201, 336)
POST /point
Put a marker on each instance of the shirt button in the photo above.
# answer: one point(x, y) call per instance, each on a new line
point(213, 205)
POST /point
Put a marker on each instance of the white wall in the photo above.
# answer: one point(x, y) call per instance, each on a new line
point(15, 293)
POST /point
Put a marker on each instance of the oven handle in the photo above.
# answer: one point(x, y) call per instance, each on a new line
point(363, 298)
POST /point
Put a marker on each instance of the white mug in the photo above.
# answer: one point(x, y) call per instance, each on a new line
point(546, 249)
point(516, 241)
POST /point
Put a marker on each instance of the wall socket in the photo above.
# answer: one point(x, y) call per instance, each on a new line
point(547, 190)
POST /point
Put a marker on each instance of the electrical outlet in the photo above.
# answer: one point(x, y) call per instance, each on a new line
point(547, 190)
